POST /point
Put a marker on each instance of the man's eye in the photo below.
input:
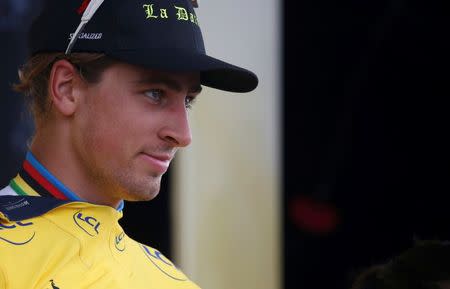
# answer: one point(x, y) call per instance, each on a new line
point(189, 101)
point(154, 94)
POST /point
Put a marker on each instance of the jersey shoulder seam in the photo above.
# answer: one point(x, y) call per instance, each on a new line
point(72, 236)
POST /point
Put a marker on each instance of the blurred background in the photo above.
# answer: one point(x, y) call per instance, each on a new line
point(337, 161)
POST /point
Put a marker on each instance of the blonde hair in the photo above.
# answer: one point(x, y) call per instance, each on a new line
point(34, 76)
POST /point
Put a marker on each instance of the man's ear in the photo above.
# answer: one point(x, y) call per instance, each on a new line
point(63, 80)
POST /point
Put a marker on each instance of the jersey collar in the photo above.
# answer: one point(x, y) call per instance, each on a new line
point(35, 180)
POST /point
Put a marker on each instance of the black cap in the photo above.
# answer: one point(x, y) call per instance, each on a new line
point(155, 34)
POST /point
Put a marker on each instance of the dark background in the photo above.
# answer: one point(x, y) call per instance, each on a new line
point(366, 161)
point(366, 149)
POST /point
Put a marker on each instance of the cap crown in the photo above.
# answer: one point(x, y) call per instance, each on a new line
point(118, 25)
point(155, 34)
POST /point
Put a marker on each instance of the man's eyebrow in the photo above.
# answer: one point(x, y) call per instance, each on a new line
point(169, 82)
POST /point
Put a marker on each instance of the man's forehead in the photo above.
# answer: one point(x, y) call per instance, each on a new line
point(175, 80)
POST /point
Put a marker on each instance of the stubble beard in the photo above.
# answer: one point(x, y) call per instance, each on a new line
point(124, 184)
point(114, 178)
point(137, 188)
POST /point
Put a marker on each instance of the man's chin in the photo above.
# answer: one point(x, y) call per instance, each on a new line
point(144, 188)
point(142, 196)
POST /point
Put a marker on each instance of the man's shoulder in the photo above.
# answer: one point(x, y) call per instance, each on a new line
point(82, 234)
point(75, 218)
point(27, 242)
point(17, 235)
point(36, 230)
point(43, 222)
point(22, 223)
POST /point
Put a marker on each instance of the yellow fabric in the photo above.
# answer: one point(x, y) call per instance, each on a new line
point(2, 278)
point(80, 245)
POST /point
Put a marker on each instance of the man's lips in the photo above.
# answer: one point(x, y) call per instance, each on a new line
point(158, 162)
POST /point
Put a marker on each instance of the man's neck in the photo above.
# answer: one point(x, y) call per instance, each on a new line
point(52, 148)
point(56, 177)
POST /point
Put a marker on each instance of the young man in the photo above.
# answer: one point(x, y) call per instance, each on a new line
point(110, 103)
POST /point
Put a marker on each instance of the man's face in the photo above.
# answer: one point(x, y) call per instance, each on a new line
point(128, 128)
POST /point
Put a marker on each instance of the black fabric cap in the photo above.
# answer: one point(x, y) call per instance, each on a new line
point(155, 34)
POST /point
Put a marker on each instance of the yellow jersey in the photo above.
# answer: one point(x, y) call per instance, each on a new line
point(50, 242)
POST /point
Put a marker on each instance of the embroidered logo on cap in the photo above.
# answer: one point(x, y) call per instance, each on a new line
point(180, 13)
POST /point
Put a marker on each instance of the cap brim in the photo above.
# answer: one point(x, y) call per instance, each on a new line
point(214, 73)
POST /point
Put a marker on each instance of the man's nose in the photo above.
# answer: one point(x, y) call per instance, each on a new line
point(177, 131)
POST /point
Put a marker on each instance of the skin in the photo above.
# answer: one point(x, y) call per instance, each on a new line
point(113, 140)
